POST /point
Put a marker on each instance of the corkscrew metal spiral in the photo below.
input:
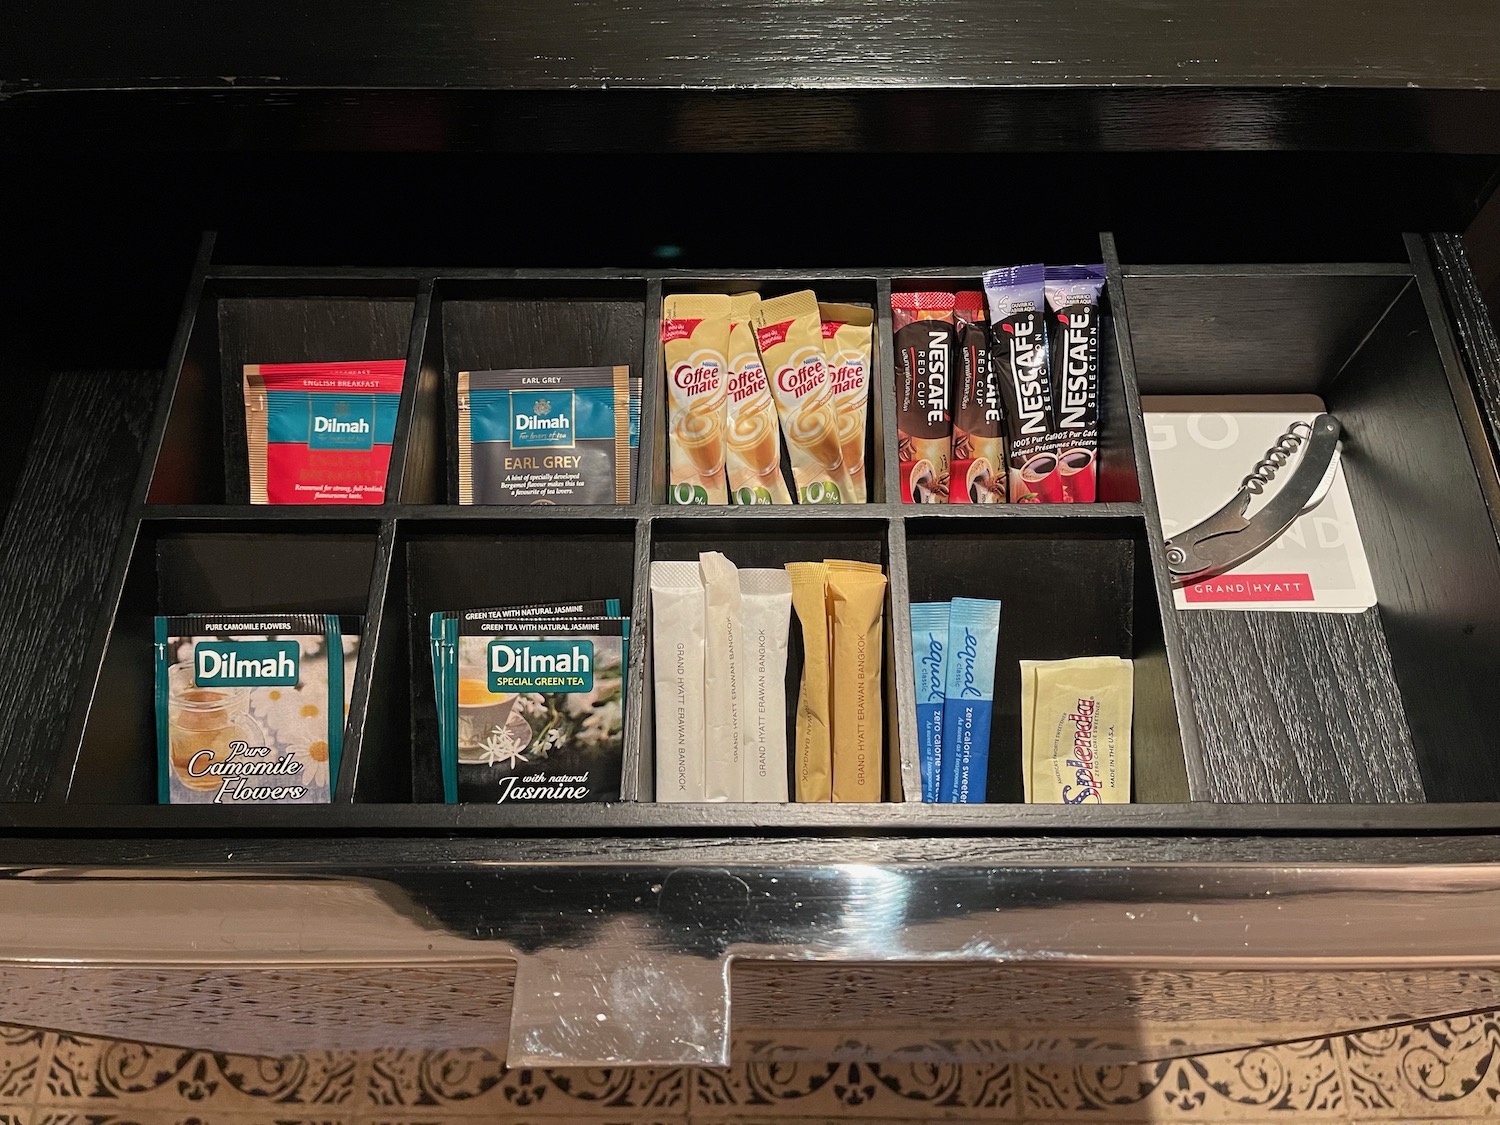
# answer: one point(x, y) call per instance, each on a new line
point(1276, 458)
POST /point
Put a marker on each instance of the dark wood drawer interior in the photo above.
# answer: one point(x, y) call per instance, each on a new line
point(1296, 717)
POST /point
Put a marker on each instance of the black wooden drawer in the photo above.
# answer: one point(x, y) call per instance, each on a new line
point(1243, 721)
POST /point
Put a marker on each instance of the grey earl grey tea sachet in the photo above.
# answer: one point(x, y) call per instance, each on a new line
point(548, 436)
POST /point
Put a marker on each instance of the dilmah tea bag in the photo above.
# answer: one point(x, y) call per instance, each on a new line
point(557, 435)
point(695, 343)
point(1018, 353)
point(929, 654)
point(321, 433)
point(856, 604)
point(724, 679)
point(977, 473)
point(1073, 304)
point(443, 639)
point(250, 708)
point(677, 650)
point(766, 604)
point(441, 645)
point(973, 635)
point(922, 324)
point(535, 707)
point(812, 729)
point(752, 436)
point(1075, 730)
point(847, 332)
point(790, 336)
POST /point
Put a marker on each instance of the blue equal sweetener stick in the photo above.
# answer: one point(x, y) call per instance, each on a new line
point(929, 648)
point(973, 633)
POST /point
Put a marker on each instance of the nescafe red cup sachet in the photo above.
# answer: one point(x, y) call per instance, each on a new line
point(1005, 409)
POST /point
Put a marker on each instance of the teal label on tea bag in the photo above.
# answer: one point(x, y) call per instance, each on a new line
point(341, 421)
point(541, 419)
point(557, 666)
point(246, 663)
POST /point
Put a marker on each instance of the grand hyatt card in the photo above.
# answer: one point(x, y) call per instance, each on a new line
point(1201, 449)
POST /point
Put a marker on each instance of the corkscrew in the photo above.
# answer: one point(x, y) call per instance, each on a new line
point(1227, 538)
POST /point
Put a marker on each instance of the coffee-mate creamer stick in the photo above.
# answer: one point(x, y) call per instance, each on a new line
point(694, 338)
point(790, 336)
point(847, 332)
point(752, 438)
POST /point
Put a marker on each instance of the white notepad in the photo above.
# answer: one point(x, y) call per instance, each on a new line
point(1201, 449)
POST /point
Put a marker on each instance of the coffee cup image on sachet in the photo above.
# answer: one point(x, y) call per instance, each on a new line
point(919, 482)
point(1077, 475)
point(814, 429)
point(699, 433)
point(981, 483)
point(1040, 481)
point(752, 438)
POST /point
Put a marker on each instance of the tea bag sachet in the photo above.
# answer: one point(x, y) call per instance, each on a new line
point(1078, 738)
point(695, 343)
point(973, 634)
point(471, 698)
point(724, 671)
point(929, 654)
point(677, 646)
point(812, 738)
point(766, 603)
point(790, 336)
point(535, 706)
point(249, 708)
point(752, 436)
point(556, 435)
point(856, 602)
point(321, 433)
point(847, 332)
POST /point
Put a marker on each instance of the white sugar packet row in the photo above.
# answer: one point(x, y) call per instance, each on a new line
point(719, 648)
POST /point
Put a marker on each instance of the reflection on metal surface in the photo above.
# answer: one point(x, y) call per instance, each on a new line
point(629, 963)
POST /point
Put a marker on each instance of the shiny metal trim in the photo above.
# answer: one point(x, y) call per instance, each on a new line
point(622, 964)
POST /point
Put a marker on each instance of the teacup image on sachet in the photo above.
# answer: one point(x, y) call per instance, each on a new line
point(205, 719)
point(481, 712)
